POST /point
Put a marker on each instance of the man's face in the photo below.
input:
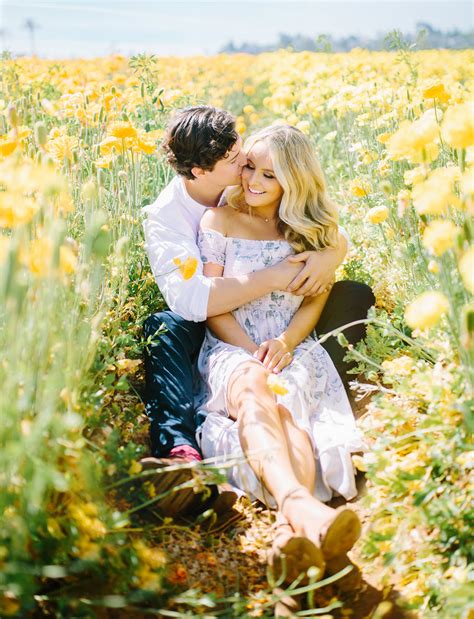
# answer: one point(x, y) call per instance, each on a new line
point(228, 170)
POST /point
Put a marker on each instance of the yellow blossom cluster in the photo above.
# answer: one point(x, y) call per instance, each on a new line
point(398, 151)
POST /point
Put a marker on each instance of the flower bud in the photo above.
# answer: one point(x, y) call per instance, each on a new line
point(100, 177)
point(342, 339)
point(13, 116)
point(89, 191)
point(41, 133)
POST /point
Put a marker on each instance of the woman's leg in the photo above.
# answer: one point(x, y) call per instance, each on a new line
point(263, 431)
point(300, 450)
point(264, 439)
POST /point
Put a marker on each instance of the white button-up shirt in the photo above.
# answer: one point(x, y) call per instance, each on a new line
point(171, 228)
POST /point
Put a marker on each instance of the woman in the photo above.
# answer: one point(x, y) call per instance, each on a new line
point(297, 445)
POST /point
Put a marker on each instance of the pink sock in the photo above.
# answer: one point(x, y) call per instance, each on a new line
point(186, 452)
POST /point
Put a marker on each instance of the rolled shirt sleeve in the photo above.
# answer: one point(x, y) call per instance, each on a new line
point(188, 298)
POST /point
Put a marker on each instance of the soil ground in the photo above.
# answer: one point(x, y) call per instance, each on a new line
point(221, 560)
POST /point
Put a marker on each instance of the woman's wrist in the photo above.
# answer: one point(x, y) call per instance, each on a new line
point(252, 348)
point(286, 340)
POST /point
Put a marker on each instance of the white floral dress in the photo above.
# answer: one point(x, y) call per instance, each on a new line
point(316, 396)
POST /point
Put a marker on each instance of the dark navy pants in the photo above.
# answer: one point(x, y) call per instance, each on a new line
point(169, 361)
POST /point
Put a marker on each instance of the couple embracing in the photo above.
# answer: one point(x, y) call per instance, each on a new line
point(259, 222)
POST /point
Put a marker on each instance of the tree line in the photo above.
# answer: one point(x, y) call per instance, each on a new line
point(424, 37)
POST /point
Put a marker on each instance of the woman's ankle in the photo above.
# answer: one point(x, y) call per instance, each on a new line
point(297, 492)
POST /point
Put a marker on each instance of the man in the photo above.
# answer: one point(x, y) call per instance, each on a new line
point(204, 149)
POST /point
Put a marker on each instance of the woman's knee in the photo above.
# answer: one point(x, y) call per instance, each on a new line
point(247, 384)
point(252, 374)
point(285, 415)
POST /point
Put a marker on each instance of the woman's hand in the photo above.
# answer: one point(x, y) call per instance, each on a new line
point(275, 354)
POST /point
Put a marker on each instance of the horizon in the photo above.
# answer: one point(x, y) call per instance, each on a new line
point(92, 28)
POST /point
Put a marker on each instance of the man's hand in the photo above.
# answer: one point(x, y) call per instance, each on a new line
point(317, 274)
point(284, 273)
point(275, 355)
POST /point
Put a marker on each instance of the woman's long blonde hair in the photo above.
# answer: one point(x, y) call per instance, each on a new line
point(308, 217)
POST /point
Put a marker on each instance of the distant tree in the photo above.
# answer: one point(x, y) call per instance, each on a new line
point(424, 37)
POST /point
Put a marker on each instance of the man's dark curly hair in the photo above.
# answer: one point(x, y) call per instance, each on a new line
point(198, 137)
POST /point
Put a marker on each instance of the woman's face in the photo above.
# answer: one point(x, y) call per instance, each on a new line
point(259, 183)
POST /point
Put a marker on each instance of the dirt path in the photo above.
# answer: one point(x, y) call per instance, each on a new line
point(222, 561)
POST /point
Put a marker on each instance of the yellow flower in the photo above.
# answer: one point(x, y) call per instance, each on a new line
point(426, 310)
point(135, 468)
point(466, 269)
point(156, 134)
point(414, 176)
point(403, 201)
point(87, 550)
point(150, 489)
point(377, 214)
point(54, 529)
point(188, 267)
point(400, 366)
point(358, 462)
point(277, 385)
point(439, 236)
point(437, 91)
point(128, 366)
point(103, 162)
point(122, 130)
point(90, 509)
point(435, 194)
point(303, 126)
point(64, 203)
point(67, 260)
point(254, 118)
point(359, 187)
point(240, 127)
point(384, 137)
point(146, 143)
point(154, 558)
point(415, 141)
point(86, 523)
point(384, 168)
point(458, 125)
point(21, 133)
point(433, 267)
point(7, 146)
point(39, 256)
point(9, 605)
point(62, 147)
point(110, 146)
point(15, 209)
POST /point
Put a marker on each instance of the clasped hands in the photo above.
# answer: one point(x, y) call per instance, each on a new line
point(317, 274)
point(275, 354)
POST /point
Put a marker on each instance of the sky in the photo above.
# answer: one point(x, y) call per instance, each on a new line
point(89, 28)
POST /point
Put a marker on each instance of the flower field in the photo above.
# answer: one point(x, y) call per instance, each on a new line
point(79, 157)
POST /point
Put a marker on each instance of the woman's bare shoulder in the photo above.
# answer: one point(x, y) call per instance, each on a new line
point(218, 218)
